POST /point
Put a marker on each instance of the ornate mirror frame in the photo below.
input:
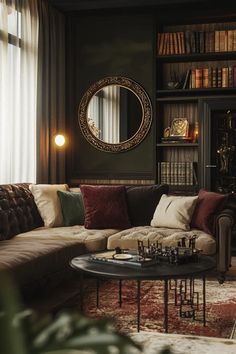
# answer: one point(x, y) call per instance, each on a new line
point(146, 114)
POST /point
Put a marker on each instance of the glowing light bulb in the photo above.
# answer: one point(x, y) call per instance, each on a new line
point(59, 140)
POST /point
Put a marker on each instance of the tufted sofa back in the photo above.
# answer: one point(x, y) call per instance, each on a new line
point(18, 211)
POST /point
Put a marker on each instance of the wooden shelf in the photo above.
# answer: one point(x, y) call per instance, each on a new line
point(177, 145)
point(214, 56)
point(196, 93)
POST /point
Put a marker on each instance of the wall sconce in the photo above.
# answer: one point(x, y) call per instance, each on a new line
point(59, 140)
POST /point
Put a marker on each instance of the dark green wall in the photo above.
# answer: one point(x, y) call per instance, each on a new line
point(99, 46)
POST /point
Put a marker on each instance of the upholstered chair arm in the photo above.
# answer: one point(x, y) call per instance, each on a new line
point(224, 224)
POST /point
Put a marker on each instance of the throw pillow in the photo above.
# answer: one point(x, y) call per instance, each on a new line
point(174, 212)
point(207, 205)
point(142, 202)
point(47, 201)
point(72, 207)
point(105, 207)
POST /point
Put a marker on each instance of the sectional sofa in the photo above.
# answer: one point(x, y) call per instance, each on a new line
point(36, 254)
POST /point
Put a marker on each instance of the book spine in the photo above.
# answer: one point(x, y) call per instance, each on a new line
point(175, 41)
point(187, 37)
point(210, 77)
point(231, 79)
point(217, 41)
point(222, 41)
point(225, 77)
point(168, 173)
point(182, 43)
point(230, 35)
point(198, 78)
point(186, 80)
point(171, 38)
point(163, 173)
point(175, 173)
point(214, 77)
point(234, 76)
point(202, 42)
point(182, 173)
point(205, 78)
point(219, 77)
point(193, 78)
point(160, 43)
point(234, 40)
point(192, 42)
point(211, 41)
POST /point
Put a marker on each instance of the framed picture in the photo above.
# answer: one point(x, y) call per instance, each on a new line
point(179, 128)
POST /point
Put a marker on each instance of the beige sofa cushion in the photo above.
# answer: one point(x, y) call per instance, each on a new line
point(168, 237)
point(48, 203)
point(174, 212)
point(43, 251)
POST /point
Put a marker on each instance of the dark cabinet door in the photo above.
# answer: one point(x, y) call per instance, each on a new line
point(218, 144)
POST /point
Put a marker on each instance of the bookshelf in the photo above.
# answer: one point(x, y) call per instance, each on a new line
point(196, 64)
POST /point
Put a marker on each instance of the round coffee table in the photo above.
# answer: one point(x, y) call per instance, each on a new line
point(164, 272)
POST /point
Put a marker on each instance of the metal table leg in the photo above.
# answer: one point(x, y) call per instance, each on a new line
point(120, 292)
point(138, 305)
point(81, 278)
point(97, 293)
point(166, 306)
point(204, 299)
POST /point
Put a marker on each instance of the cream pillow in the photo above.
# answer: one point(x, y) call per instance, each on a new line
point(174, 212)
point(48, 203)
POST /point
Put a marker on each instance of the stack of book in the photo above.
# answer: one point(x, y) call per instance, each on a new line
point(196, 42)
point(178, 173)
point(210, 77)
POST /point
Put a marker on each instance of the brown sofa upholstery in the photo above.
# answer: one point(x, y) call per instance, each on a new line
point(34, 253)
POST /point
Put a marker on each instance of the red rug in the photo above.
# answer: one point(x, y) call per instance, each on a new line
point(220, 308)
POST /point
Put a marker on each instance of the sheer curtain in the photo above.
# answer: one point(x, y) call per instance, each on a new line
point(18, 83)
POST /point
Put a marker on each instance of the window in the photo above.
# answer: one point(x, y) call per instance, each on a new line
point(18, 76)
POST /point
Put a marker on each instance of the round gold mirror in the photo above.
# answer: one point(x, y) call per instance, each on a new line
point(115, 114)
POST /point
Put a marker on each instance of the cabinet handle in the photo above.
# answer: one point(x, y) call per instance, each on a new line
point(211, 166)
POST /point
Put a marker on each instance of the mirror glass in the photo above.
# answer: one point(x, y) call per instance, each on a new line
point(114, 114)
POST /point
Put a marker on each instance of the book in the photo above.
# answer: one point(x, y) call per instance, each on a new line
point(217, 41)
point(214, 77)
point(230, 35)
point(193, 78)
point(160, 43)
point(210, 77)
point(211, 41)
point(201, 37)
point(219, 77)
point(182, 42)
point(187, 37)
point(225, 77)
point(230, 77)
point(222, 41)
point(163, 173)
point(175, 41)
point(198, 78)
point(234, 76)
point(234, 40)
point(205, 78)
point(187, 80)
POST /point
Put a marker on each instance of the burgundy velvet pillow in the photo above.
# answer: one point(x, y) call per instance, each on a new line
point(105, 207)
point(207, 205)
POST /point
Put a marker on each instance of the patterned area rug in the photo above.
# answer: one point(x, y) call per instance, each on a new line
point(220, 308)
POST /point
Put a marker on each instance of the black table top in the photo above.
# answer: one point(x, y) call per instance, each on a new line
point(155, 272)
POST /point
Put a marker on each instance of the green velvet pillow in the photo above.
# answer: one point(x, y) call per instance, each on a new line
point(72, 207)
